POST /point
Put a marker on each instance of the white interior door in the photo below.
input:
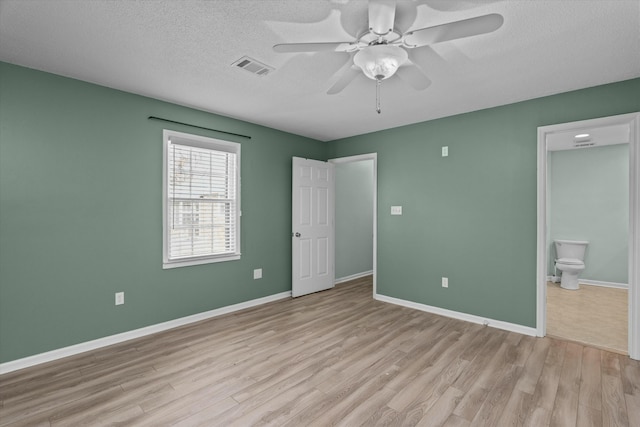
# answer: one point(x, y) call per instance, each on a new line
point(312, 230)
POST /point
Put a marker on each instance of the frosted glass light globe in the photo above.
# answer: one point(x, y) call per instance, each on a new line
point(379, 62)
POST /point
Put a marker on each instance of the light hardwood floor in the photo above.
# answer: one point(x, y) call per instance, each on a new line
point(336, 357)
point(591, 315)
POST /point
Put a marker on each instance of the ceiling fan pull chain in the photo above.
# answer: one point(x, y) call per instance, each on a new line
point(378, 96)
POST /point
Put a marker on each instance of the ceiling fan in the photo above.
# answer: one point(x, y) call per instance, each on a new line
point(382, 51)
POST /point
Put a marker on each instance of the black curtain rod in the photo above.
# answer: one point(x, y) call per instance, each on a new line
point(199, 127)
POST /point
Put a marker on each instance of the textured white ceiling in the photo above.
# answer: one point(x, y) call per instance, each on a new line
point(182, 51)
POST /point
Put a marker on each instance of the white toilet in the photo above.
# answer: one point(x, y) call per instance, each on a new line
point(570, 260)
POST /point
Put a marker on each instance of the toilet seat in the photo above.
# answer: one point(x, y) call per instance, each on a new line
point(569, 261)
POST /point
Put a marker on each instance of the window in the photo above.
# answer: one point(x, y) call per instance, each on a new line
point(201, 180)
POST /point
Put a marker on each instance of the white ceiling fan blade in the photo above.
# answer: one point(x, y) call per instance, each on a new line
point(315, 47)
point(454, 30)
point(346, 77)
point(426, 58)
point(413, 76)
point(382, 14)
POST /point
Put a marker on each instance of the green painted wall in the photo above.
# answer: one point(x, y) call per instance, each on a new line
point(471, 216)
point(354, 217)
point(80, 209)
point(81, 214)
point(589, 200)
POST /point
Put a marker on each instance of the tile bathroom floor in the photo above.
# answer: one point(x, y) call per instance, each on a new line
point(592, 315)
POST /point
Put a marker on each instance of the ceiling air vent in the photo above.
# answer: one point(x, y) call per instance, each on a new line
point(584, 144)
point(253, 66)
point(583, 140)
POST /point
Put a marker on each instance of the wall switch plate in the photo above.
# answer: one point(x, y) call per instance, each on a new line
point(445, 151)
point(119, 298)
point(445, 282)
point(396, 210)
point(257, 273)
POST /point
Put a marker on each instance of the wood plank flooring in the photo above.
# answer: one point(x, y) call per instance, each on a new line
point(591, 315)
point(332, 358)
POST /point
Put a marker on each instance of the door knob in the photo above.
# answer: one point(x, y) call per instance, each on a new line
point(297, 234)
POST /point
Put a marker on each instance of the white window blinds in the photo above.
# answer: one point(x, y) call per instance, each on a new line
point(201, 206)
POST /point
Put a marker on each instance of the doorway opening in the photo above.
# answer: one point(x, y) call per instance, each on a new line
point(561, 139)
point(355, 217)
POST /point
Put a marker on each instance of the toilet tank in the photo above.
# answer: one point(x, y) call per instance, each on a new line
point(573, 249)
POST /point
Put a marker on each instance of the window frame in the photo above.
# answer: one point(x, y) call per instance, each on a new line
point(209, 144)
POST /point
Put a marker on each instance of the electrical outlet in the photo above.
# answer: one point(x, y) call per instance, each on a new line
point(445, 282)
point(396, 210)
point(119, 298)
point(445, 151)
point(257, 273)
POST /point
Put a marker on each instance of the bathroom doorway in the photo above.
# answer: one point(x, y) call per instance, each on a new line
point(588, 201)
point(587, 190)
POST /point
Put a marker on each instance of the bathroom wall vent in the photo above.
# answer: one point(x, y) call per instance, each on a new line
point(253, 66)
point(584, 144)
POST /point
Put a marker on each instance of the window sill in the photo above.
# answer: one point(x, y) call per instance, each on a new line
point(188, 262)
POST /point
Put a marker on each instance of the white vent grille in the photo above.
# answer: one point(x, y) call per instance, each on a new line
point(253, 66)
point(584, 144)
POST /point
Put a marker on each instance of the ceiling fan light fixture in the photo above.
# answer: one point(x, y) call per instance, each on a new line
point(379, 62)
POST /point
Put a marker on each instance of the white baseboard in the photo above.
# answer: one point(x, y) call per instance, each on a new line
point(604, 284)
point(556, 279)
point(52, 355)
point(353, 277)
point(511, 327)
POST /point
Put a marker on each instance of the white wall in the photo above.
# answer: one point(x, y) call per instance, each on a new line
point(354, 218)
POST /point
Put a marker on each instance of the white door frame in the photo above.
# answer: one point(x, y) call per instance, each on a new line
point(374, 157)
point(633, 120)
